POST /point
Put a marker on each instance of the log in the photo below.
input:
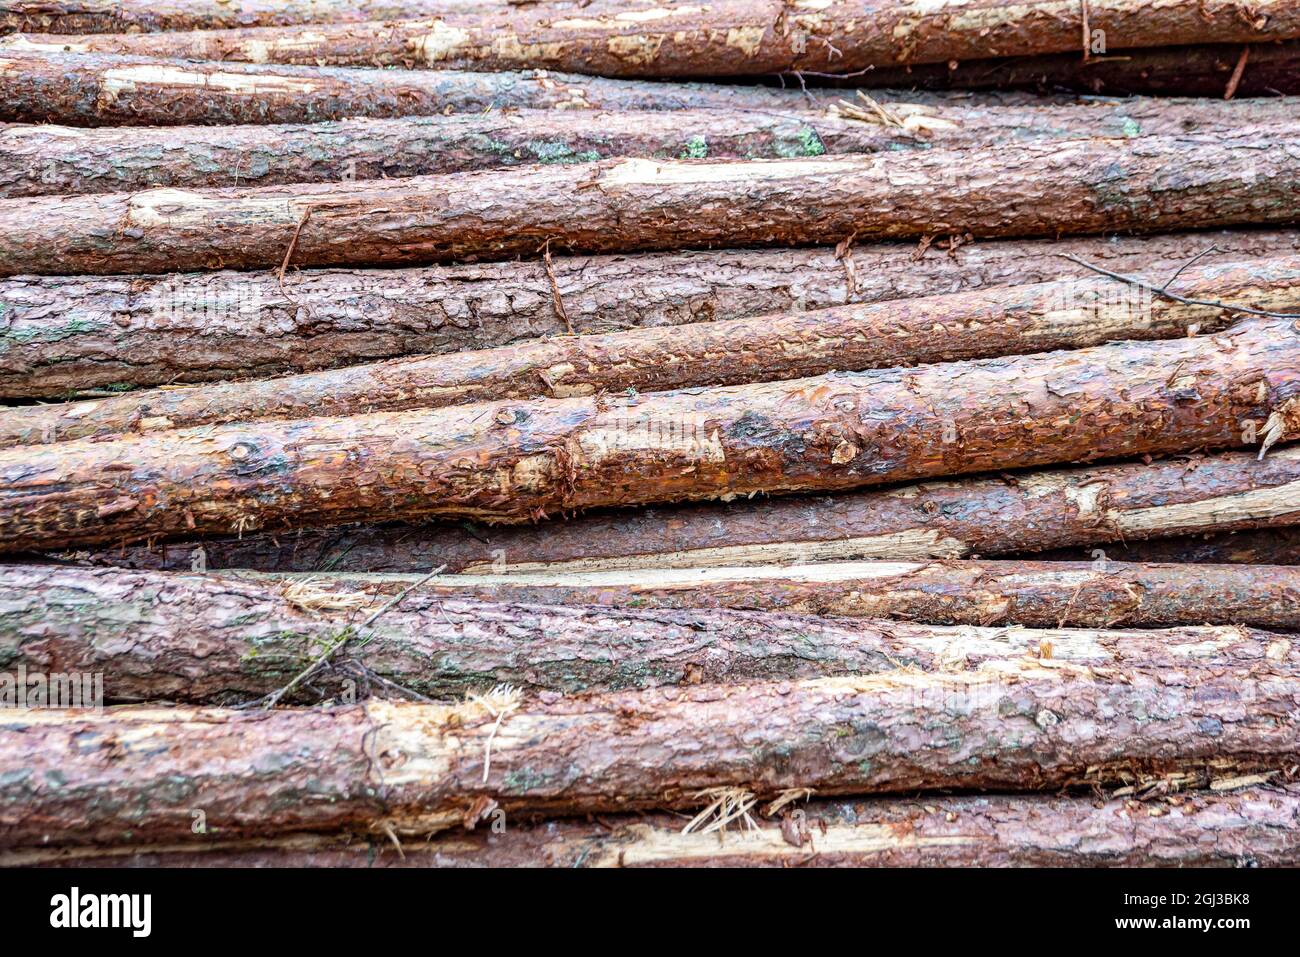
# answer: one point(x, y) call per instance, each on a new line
point(88, 90)
point(1004, 321)
point(514, 461)
point(1265, 546)
point(208, 639)
point(1038, 594)
point(67, 334)
point(121, 16)
point(413, 768)
point(1030, 189)
point(1272, 69)
point(726, 38)
point(1251, 825)
point(1013, 514)
point(44, 160)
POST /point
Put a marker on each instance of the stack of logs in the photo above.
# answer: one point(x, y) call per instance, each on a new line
point(460, 433)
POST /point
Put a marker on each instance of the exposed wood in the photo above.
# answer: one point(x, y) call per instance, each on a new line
point(68, 333)
point(418, 768)
point(1025, 512)
point(1002, 321)
point(721, 39)
point(206, 639)
point(1251, 826)
point(513, 461)
point(1030, 189)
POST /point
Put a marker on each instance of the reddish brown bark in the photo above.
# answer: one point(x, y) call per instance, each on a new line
point(725, 38)
point(162, 636)
point(66, 334)
point(417, 768)
point(1005, 321)
point(1021, 513)
point(1030, 189)
point(1253, 825)
point(512, 461)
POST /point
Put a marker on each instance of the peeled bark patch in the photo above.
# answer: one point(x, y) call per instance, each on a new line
point(1007, 321)
point(68, 334)
point(516, 461)
point(725, 38)
point(1033, 189)
point(415, 768)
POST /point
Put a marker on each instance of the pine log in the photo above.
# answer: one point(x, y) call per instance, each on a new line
point(725, 38)
point(513, 461)
point(1248, 823)
point(1039, 594)
point(123, 16)
point(1004, 321)
point(418, 768)
point(1271, 69)
point(45, 160)
point(1265, 546)
point(69, 334)
point(1013, 514)
point(87, 90)
point(207, 639)
point(1030, 189)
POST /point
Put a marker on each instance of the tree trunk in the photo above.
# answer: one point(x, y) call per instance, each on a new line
point(1253, 825)
point(723, 39)
point(417, 768)
point(1032, 189)
point(70, 334)
point(1040, 594)
point(1022, 513)
point(1010, 320)
point(515, 461)
point(147, 16)
point(161, 636)
point(1272, 69)
point(37, 161)
point(1265, 546)
point(87, 90)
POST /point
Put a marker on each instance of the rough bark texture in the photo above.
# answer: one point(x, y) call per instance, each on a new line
point(134, 775)
point(1265, 546)
point(130, 16)
point(87, 90)
point(41, 160)
point(1272, 69)
point(1031, 189)
point(163, 636)
point(512, 461)
point(1011, 320)
point(1254, 825)
point(723, 38)
point(1022, 513)
point(60, 335)
point(1041, 594)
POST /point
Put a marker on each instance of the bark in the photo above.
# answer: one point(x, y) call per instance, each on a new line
point(1272, 69)
point(68, 334)
point(206, 639)
point(41, 160)
point(86, 90)
point(1032, 189)
point(1026, 512)
point(1011, 320)
point(1250, 826)
point(513, 461)
point(1266, 546)
point(147, 16)
point(1039, 594)
point(134, 775)
point(723, 39)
